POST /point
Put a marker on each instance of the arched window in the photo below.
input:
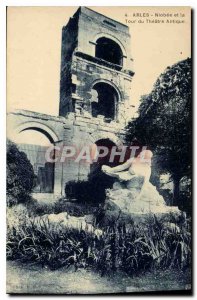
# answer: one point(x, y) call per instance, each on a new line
point(109, 50)
point(106, 101)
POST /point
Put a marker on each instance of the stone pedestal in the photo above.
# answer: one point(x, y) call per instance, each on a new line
point(132, 205)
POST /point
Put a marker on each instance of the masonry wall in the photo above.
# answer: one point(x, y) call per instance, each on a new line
point(69, 43)
point(75, 130)
point(92, 26)
point(91, 72)
point(80, 69)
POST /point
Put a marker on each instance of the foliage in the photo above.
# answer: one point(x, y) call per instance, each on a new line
point(74, 208)
point(164, 122)
point(132, 249)
point(84, 191)
point(20, 175)
point(16, 215)
point(39, 208)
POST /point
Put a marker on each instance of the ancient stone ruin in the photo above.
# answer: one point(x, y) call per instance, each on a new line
point(94, 98)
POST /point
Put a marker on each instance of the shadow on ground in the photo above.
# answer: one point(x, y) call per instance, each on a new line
point(36, 280)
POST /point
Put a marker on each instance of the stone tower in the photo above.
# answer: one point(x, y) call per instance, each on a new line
point(95, 83)
point(96, 67)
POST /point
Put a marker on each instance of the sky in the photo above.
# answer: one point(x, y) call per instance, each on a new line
point(34, 48)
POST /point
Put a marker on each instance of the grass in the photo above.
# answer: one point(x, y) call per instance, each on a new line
point(32, 279)
point(131, 249)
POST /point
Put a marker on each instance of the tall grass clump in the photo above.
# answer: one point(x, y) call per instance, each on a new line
point(129, 248)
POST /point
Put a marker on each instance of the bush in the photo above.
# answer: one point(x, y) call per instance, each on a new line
point(20, 175)
point(84, 191)
point(91, 191)
point(36, 208)
point(132, 249)
point(75, 208)
point(16, 216)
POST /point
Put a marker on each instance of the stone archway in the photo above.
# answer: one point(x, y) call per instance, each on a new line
point(33, 125)
point(102, 80)
point(99, 181)
point(36, 153)
point(106, 102)
point(96, 136)
point(115, 40)
point(52, 128)
point(109, 50)
point(105, 99)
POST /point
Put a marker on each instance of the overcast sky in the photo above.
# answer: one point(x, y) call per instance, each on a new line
point(34, 46)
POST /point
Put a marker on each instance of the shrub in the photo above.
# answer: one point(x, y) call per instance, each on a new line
point(75, 208)
point(36, 208)
point(84, 191)
point(16, 216)
point(20, 175)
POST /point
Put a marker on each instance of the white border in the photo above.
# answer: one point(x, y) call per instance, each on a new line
point(3, 4)
point(99, 3)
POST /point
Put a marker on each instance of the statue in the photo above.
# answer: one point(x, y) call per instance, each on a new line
point(133, 192)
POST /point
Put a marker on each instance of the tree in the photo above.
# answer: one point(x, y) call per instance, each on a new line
point(164, 123)
point(20, 175)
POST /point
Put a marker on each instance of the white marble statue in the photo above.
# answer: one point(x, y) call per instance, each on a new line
point(133, 192)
